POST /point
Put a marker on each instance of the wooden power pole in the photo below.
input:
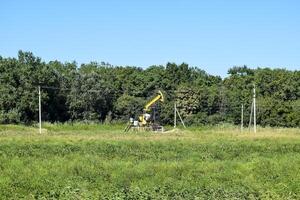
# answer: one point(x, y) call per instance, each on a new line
point(175, 120)
point(40, 111)
point(242, 118)
point(176, 112)
point(253, 111)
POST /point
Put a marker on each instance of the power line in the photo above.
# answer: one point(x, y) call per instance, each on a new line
point(56, 88)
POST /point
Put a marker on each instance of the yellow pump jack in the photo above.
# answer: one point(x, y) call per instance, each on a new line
point(145, 122)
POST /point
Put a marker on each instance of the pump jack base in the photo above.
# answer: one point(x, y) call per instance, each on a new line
point(158, 129)
point(153, 128)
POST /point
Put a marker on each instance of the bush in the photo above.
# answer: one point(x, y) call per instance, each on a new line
point(12, 116)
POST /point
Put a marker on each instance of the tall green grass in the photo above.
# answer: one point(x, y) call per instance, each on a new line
point(82, 161)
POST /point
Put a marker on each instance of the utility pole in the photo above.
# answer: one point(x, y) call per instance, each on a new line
point(176, 112)
point(250, 120)
point(242, 118)
point(175, 115)
point(180, 118)
point(40, 111)
point(254, 109)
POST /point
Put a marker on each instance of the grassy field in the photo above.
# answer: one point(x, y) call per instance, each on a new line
point(101, 162)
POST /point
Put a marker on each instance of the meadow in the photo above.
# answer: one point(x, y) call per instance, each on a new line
point(93, 161)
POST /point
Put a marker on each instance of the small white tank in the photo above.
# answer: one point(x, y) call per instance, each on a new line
point(135, 123)
point(147, 116)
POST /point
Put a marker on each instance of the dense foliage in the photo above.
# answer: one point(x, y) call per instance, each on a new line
point(101, 92)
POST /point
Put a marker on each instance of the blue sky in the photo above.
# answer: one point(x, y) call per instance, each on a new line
point(212, 35)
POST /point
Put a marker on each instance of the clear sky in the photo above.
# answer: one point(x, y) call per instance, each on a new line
point(213, 35)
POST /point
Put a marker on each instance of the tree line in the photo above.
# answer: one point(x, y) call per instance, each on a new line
point(104, 93)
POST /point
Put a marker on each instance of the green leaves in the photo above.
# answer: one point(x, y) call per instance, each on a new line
point(94, 92)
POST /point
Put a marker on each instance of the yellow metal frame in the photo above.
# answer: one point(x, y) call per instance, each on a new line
point(160, 97)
